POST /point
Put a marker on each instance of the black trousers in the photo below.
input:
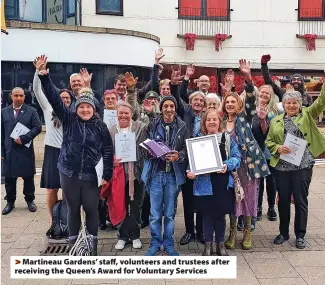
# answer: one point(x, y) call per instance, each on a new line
point(214, 224)
point(188, 204)
point(79, 193)
point(270, 190)
point(296, 182)
point(130, 227)
point(145, 213)
point(28, 190)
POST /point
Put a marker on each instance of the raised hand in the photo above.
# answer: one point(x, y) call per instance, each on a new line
point(289, 87)
point(190, 71)
point(40, 63)
point(131, 82)
point(265, 58)
point(86, 76)
point(245, 67)
point(159, 55)
point(229, 81)
point(176, 75)
point(262, 113)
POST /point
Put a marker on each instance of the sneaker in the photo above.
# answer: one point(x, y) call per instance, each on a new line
point(120, 244)
point(153, 250)
point(136, 244)
point(171, 251)
point(280, 239)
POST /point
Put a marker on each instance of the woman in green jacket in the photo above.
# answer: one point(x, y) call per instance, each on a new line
point(295, 176)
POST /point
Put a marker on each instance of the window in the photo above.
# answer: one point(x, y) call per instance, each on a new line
point(200, 9)
point(311, 9)
point(71, 8)
point(11, 9)
point(109, 7)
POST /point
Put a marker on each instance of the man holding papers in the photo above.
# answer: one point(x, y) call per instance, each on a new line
point(20, 124)
point(163, 175)
point(294, 142)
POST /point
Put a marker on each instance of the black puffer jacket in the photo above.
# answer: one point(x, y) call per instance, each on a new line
point(84, 142)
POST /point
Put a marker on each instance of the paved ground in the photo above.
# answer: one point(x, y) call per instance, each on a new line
point(23, 233)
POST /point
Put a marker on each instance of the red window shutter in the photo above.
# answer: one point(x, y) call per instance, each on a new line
point(311, 8)
point(190, 8)
point(217, 8)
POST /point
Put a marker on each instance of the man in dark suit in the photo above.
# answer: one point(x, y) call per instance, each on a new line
point(19, 160)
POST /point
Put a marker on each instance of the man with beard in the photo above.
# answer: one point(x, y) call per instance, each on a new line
point(203, 83)
point(163, 176)
point(297, 81)
point(191, 114)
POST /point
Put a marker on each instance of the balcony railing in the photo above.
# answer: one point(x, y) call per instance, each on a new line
point(203, 22)
point(311, 21)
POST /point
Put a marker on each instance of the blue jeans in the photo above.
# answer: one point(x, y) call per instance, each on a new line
point(163, 193)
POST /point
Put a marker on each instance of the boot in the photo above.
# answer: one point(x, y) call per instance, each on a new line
point(208, 250)
point(94, 248)
point(221, 250)
point(247, 239)
point(231, 241)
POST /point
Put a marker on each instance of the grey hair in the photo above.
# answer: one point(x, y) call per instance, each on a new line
point(74, 75)
point(197, 93)
point(125, 104)
point(213, 96)
point(292, 95)
point(17, 89)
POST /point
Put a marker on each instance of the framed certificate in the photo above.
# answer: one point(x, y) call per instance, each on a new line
point(204, 154)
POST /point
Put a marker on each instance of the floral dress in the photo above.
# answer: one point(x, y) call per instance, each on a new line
point(247, 206)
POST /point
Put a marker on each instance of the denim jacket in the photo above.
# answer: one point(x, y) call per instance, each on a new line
point(202, 183)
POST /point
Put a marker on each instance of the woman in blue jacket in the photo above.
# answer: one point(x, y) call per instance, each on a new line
point(214, 193)
point(85, 141)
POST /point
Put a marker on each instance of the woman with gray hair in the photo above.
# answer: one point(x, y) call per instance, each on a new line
point(213, 101)
point(297, 121)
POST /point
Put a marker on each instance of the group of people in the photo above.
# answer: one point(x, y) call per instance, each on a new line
point(251, 128)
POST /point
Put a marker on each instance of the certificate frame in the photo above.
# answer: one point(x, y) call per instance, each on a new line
point(211, 139)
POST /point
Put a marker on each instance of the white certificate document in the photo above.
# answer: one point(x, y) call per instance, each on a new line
point(20, 130)
point(125, 147)
point(99, 171)
point(297, 147)
point(110, 118)
point(203, 161)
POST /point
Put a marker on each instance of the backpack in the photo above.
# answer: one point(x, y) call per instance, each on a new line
point(59, 228)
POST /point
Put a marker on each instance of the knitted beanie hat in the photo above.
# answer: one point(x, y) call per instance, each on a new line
point(86, 96)
point(166, 98)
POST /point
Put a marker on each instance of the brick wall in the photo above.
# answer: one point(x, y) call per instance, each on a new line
point(39, 148)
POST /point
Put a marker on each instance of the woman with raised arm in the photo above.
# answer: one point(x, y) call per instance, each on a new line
point(237, 119)
point(297, 124)
point(50, 177)
point(86, 141)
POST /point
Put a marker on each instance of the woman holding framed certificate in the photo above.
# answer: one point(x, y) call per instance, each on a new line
point(214, 196)
point(294, 142)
